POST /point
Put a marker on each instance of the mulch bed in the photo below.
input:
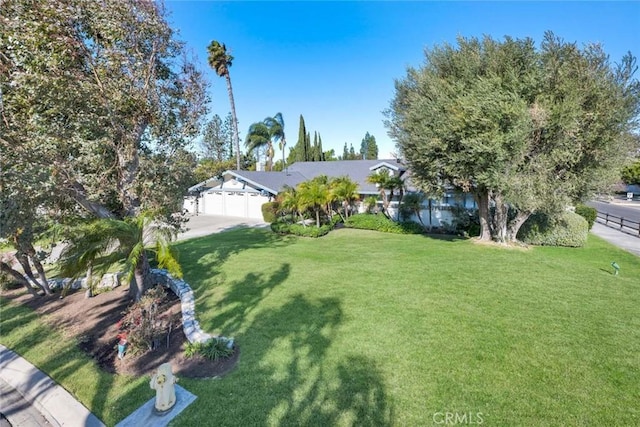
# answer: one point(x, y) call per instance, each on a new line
point(93, 323)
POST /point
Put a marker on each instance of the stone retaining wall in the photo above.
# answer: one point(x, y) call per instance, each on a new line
point(190, 325)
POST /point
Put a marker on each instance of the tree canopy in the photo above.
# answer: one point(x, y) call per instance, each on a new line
point(369, 147)
point(98, 103)
point(523, 129)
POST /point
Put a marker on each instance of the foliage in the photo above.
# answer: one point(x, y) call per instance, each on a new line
point(588, 213)
point(344, 191)
point(566, 229)
point(315, 195)
point(282, 227)
point(99, 244)
point(214, 349)
point(217, 139)
point(350, 153)
point(382, 223)
point(263, 134)
point(369, 147)
point(370, 203)
point(385, 180)
point(270, 211)
point(98, 104)
point(7, 282)
point(523, 129)
point(142, 325)
point(464, 221)
point(631, 173)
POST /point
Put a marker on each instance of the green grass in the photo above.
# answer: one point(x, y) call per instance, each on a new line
point(376, 329)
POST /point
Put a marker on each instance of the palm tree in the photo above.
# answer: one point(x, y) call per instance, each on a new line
point(385, 182)
point(315, 195)
point(220, 61)
point(104, 242)
point(413, 204)
point(258, 137)
point(344, 190)
point(276, 129)
point(289, 202)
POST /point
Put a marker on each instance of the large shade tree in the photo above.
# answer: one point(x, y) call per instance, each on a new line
point(220, 60)
point(523, 129)
point(93, 95)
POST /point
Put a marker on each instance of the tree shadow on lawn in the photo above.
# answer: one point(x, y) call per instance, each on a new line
point(199, 257)
point(287, 375)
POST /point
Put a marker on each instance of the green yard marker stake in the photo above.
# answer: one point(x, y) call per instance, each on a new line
point(616, 268)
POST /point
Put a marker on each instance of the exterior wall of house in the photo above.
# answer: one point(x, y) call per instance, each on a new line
point(439, 214)
point(231, 198)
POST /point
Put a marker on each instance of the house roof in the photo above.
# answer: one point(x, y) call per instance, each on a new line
point(274, 182)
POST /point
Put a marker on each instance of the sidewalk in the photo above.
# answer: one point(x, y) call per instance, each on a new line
point(623, 240)
point(39, 400)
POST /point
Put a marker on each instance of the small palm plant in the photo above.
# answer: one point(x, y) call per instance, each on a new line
point(97, 245)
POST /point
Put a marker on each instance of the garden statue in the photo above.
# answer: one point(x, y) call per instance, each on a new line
point(163, 382)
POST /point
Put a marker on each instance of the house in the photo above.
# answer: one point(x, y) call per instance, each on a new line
point(242, 193)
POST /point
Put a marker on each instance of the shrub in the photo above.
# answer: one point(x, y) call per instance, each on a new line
point(588, 213)
point(7, 282)
point(301, 230)
point(214, 349)
point(142, 322)
point(382, 223)
point(565, 229)
point(269, 211)
point(464, 221)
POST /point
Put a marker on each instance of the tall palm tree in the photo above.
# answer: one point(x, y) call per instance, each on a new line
point(220, 61)
point(97, 245)
point(276, 128)
point(259, 136)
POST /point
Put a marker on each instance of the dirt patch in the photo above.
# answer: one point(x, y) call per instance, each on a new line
point(92, 322)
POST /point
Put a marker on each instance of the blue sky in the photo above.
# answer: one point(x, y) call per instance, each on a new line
point(335, 62)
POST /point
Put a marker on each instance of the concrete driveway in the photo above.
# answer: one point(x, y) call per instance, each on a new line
point(203, 225)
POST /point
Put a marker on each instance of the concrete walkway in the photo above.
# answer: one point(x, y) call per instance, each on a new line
point(623, 240)
point(36, 399)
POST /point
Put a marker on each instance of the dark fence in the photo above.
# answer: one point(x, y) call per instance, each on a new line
point(625, 225)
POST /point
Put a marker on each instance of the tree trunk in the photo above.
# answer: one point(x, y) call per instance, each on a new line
point(128, 165)
point(31, 252)
point(18, 277)
point(79, 194)
point(234, 120)
point(141, 278)
point(399, 203)
point(23, 259)
point(515, 224)
point(318, 218)
point(500, 219)
point(482, 200)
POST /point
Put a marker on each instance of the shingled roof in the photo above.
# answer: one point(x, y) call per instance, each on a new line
point(356, 170)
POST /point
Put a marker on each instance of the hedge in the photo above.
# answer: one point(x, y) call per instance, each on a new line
point(380, 222)
point(301, 230)
point(588, 213)
point(566, 229)
point(269, 211)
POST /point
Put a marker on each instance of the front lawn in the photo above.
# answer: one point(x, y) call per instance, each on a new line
point(368, 328)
